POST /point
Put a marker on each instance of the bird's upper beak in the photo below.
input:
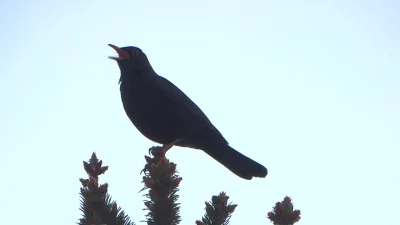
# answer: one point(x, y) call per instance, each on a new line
point(121, 53)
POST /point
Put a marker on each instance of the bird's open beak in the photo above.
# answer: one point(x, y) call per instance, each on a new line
point(121, 53)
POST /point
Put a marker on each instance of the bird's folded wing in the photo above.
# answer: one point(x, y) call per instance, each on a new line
point(184, 103)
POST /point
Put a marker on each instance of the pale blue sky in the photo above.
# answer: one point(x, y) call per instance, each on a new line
point(308, 88)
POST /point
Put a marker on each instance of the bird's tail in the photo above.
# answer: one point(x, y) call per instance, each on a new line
point(236, 162)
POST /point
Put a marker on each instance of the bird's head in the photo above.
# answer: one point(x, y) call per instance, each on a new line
point(131, 60)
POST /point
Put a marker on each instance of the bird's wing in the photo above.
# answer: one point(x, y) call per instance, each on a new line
point(185, 104)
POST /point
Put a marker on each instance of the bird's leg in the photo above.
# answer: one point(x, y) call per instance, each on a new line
point(159, 152)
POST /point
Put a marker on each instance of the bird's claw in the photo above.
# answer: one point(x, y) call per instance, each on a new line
point(156, 150)
point(151, 149)
point(144, 169)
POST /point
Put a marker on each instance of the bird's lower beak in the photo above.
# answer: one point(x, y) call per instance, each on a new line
point(121, 53)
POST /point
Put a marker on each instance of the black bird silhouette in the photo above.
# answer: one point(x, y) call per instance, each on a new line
point(164, 114)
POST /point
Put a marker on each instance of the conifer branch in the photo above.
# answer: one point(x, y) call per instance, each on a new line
point(162, 182)
point(218, 211)
point(283, 213)
point(96, 205)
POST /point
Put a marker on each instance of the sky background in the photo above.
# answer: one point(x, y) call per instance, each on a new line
point(310, 89)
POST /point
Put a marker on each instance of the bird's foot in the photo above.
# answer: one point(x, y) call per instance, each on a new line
point(162, 150)
point(159, 152)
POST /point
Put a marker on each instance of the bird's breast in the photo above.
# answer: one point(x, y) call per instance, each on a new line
point(146, 108)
